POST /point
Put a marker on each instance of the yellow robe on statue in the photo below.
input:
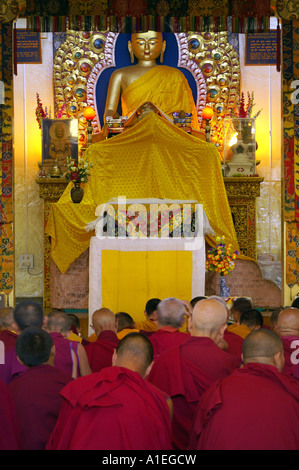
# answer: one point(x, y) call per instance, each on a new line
point(153, 159)
point(164, 86)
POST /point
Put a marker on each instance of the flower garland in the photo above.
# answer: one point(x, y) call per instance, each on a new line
point(221, 258)
point(78, 173)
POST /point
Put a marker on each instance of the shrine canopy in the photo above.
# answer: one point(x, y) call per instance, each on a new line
point(153, 159)
point(143, 15)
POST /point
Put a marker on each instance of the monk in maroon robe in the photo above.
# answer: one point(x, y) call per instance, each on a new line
point(8, 327)
point(8, 338)
point(115, 409)
point(234, 343)
point(170, 318)
point(254, 408)
point(36, 391)
point(100, 352)
point(70, 355)
point(9, 430)
point(27, 313)
point(288, 330)
point(149, 325)
point(186, 371)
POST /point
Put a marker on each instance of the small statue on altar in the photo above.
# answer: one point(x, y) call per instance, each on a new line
point(59, 148)
point(145, 85)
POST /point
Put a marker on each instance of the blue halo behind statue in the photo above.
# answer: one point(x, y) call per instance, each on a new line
point(122, 59)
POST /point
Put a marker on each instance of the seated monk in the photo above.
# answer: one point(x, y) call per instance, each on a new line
point(36, 392)
point(196, 299)
point(240, 305)
point(100, 352)
point(70, 355)
point(115, 409)
point(231, 342)
point(170, 316)
point(186, 371)
point(150, 323)
point(75, 334)
point(9, 429)
point(8, 328)
point(125, 324)
point(274, 319)
point(146, 85)
point(250, 320)
point(288, 331)
point(254, 408)
point(26, 313)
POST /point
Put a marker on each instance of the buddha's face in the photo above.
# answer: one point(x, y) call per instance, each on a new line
point(59, 131)
point(147, 46)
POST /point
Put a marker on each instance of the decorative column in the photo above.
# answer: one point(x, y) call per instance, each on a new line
point(50, 191)
point(242, 193)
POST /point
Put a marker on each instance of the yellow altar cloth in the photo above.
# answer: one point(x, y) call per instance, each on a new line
point(153, 159)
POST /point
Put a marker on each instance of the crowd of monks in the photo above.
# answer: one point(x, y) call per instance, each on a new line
point(192, 376)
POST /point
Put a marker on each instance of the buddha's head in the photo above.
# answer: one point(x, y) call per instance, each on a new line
point(147, 46)
point(59, 130)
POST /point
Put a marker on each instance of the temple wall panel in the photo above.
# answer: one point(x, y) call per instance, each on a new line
point(30, 79)
point(265, 83)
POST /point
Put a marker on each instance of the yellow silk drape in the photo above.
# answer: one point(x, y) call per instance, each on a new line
point(154, 159)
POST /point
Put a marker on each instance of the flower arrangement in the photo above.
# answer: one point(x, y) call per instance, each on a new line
point(244, 110)
point(40, 112)
point(221, 258)
point(78, 172)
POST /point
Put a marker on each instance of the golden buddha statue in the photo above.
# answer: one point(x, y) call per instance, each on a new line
point(146, 86)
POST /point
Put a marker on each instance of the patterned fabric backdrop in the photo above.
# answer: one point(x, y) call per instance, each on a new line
point(6, 160)
point(141, 15)
point(290, 45)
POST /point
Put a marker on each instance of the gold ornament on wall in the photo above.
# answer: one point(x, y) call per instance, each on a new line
point(219, 63)
point(288, 9)
point(73, 63)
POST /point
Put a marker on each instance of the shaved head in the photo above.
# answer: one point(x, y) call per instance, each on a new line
point(171, 312)
point(58, 322)
point(288, 322)
point(209, 318)
point(103, 319)
point(262, 346)
point(135, 352)
point(6, 317)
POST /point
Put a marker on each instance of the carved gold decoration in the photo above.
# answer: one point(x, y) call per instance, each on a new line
point(10, 10)
point(73, 63)
point(288, 9)
point(219, 63)
point(242, 193)
point(50, 191)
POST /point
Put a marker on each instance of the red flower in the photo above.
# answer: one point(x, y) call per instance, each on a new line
point(74, 176)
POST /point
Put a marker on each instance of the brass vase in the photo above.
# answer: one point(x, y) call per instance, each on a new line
point(77, 193)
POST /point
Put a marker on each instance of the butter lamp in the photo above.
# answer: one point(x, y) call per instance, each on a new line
point(207, 114)
point(89, 114)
